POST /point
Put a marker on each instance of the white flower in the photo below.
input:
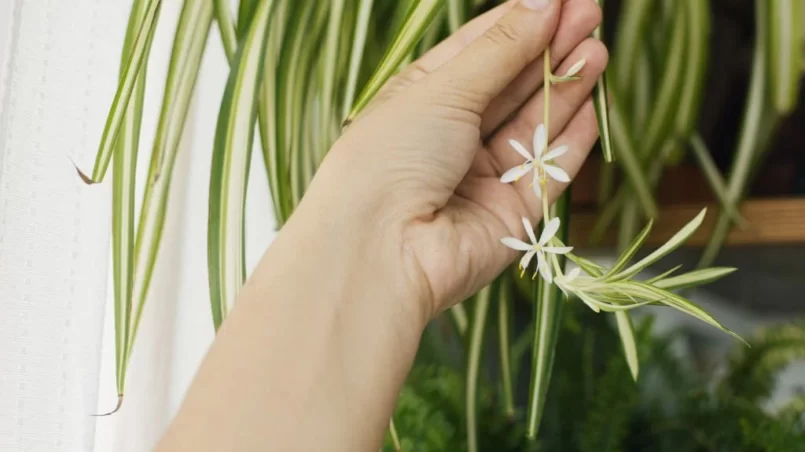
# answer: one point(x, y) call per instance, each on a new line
point(538, 248)
point(540, 162)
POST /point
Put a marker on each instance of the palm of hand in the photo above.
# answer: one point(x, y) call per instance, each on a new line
point(451, 146)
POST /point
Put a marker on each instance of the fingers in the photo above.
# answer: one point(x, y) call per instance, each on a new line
point(441, 53)
point(566, 99)
point(486, 66)
point(579, 19)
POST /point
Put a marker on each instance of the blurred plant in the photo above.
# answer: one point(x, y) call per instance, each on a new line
point(594, 406)
point(300, 70)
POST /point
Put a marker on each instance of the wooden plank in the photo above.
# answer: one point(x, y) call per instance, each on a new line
point(770, 221)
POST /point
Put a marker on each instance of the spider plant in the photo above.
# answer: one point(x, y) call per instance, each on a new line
point(300, 70)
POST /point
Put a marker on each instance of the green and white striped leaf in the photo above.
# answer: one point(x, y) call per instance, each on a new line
point(631, 29)
point(759, 121)
point(714, 179)
point(626, 332)
point(661, 119)
point(601, 103)
point(189, 43)
point(504, 344)
point(124, 180)
point(631, 250)
point(226, 26)
point(140, 42)
point(697, 56)
point(785, 52)
point(673, 243)
point(419, 17)
point(693, 279)
point(356, 54)
point(230, 166)
point(474, 355)
point(548, 300)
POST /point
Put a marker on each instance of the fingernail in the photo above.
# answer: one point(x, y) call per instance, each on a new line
point(536, 4)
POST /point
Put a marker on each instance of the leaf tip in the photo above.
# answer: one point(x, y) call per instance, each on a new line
point(87, 180)
point(117, 407)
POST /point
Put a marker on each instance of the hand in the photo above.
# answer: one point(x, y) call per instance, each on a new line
point(403, 219)
point(420, 168)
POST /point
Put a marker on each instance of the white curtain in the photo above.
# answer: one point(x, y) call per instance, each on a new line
point(58, 73)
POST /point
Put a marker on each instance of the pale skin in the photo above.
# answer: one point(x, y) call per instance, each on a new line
point(402, 220)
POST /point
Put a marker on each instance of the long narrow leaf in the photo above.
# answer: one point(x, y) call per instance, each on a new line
point(418, 19)
point(356, 55)
point(130, 73)
point(123, 186)
point(188, 47)
point(626, 332)
point(231, 156)
point(246, 10)
point(661, 119)
point(714, 178)
point(226, 27)
point(474, 354)
point(697, 56)
point(628, 157)
point(629, 252)
point(693, 279)
point(630, 32)
point(673, 243)
point(328, 79)
point(785, 52)
point(504, 344)
point(547, 318)
point(758, 123)
point(601, 102)
point(456, 14)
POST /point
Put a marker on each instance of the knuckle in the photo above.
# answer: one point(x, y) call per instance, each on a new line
point(503, 33)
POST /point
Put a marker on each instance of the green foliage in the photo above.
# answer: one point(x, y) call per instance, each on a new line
point(594, 405)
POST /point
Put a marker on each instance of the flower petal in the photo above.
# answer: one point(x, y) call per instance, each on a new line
point(529, 230)
point(540, 140)
point(516, 244)
point(521, 149)
point(549, 230)
point(576, 68)
point(556, 173)
point(556, 152)
point(544, 268)
point(516, 173)
point(527, 258)
point(558, 249)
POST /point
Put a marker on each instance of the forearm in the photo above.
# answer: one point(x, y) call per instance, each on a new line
point(313, 355)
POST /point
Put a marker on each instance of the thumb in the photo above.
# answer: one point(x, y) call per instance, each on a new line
point(484, 68)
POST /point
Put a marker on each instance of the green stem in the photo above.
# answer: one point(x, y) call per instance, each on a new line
point(504, 306)
point(475, 353)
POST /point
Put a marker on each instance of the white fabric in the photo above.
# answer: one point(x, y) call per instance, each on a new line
point(58, 72)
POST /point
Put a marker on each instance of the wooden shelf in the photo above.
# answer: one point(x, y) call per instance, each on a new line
point(770, 221)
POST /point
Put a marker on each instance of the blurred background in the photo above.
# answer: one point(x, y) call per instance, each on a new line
point(59, 69)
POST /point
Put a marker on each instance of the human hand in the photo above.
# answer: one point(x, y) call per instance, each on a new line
point(417, 174)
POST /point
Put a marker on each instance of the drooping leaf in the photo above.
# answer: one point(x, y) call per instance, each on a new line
point(231, 156)
point(626, 332)
point(356, 54)
point(474, 355)
point(785, 52)
point(715, 179)
point(418, 19)
point(190, 40)
point(226, 26)
point(141, 43)
point(504, 345)
point(758, 123)
point(548, 299)
point(124, 179)
point(601, 103)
